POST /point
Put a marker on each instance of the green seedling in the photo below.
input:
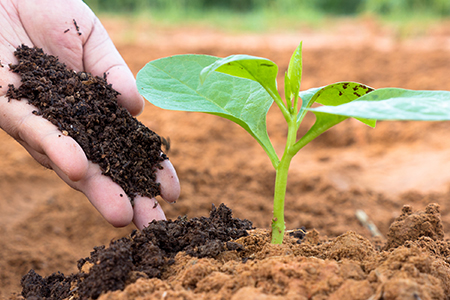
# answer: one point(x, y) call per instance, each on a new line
point(242, 88)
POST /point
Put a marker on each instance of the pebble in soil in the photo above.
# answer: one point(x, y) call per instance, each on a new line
point(85, 107)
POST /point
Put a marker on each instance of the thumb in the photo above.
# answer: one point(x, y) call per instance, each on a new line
point(85, 47)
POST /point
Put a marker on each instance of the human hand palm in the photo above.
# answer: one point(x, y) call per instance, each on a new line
point(44, 24)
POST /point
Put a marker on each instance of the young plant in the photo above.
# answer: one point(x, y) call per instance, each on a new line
point(242, 88)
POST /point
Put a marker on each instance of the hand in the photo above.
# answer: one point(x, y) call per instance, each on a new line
point(43, 24)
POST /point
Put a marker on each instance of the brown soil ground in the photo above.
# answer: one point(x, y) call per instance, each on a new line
point(46, 226)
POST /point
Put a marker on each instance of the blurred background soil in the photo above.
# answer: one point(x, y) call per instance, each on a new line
point(47, 226)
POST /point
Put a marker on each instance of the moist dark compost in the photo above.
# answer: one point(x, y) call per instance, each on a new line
point(85, 107)
point(144, 254)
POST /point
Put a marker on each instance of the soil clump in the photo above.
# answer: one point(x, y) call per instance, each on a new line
point(85, 107)
point(144, 254)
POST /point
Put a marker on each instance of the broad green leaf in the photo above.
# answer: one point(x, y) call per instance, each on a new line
point(174, 83)
point(395, 104)
point(261, 70)
point(333, 95)
point(341, 92)
point(294, 73)
point(307, 100)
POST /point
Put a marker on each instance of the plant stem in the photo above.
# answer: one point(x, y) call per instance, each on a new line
point(278, 226)
point(277, 99)
point(282, 170)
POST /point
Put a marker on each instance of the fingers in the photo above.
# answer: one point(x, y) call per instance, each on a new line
point(101, 56)
point(50, 25)
point(145, 211)
point(84, 47)
point(108, 198)
point(123, 81)
point(104, 194)
point(62, 154)
point(114, 205)
point(42, 139)
point(87, 49)
point(170, 185)
point(112, 202)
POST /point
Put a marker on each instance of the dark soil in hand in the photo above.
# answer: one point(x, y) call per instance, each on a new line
point(85, 107)
point(143, 254)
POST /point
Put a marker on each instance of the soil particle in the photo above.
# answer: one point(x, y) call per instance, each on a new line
point(76, 27)
point(298, 233)
point(55, 284)
point(349, 246)
point(410, 226)
point(85, 107)
point(144, 254)
point(353, 289)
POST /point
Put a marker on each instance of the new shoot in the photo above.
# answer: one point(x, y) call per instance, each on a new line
point(242, 88)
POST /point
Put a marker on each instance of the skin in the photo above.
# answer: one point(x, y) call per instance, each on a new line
point(42, 23)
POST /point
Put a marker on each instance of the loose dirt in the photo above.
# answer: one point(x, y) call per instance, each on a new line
point(48, 227)
point(85, 107)
point(144, 254)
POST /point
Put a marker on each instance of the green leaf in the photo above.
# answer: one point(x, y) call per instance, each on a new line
point(307, 100)
point(287, 90)
point(395, 104)
point(174, 83)
point(294, 73)
point(333, 95)
point(261, 70)
point(341, 92)
point(323, 123)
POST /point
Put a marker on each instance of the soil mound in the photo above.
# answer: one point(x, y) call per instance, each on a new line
point(215, 258)
point(411, 226)
point(143, 254)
